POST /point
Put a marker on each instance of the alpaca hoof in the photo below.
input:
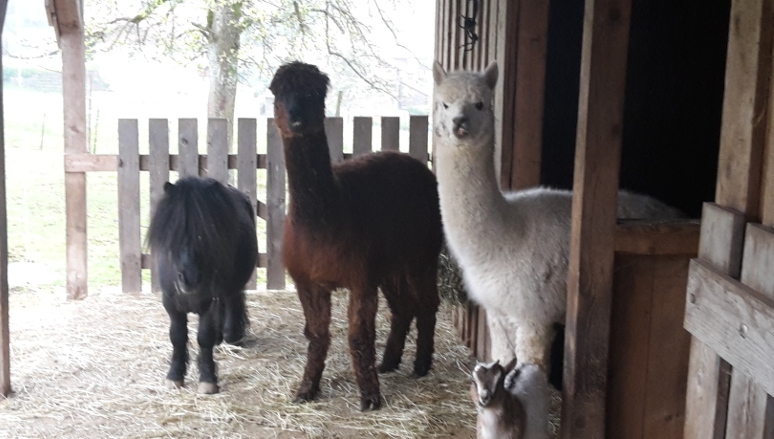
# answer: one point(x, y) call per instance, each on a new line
point(384, 367)
point(207, 388)
point(368, 403)
point(304, 396)
point(421, 370)
point(172, 384)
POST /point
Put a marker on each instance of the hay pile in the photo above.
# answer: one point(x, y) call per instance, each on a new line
point(95, 368)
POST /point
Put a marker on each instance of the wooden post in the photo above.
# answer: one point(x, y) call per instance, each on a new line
point(334, 131)
point(74, 93)
point(5, 340)
point(597, 162)
point(158, 141)
point(362, 136)
point(217, 150)
point(390, 133)
point(418, 138)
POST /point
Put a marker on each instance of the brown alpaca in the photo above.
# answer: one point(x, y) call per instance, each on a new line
point(366, 223)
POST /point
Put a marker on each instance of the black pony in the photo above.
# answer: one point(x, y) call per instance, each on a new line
point(203, 239)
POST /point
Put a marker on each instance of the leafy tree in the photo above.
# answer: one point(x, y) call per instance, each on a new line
point(248, 39)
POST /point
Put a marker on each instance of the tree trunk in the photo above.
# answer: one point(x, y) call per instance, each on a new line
point(222, 54)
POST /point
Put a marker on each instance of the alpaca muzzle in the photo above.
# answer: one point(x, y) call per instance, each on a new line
point(460, 127)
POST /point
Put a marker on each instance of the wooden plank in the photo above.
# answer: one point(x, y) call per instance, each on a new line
point(129, 206)
point(640, 237)
point(748, 67)
point(69, 17)
point(630, 345)
point(505, 90)
point(750, 415)
point(390, 133)
point(188, 148)
point(246, 168)
point(174, 161)
point(751, 412)
point(74, 96)
point(90, 162)
point(362, 135)
point(217, 150)
point(158, 163)
point(734, 320)
point(721, 240)
point(334, 131)
point(669, 351)
point(530, 87)
point(597, 159)
point(5, 337)
point(418, 138)
point(275, 199)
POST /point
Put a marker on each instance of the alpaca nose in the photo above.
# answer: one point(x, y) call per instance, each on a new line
point(460, 126)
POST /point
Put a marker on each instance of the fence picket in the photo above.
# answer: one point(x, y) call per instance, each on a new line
point(390, 133)
point(217, 150)
point(275, 200)
point(362, 136)
point(418, 138)
point(188, 147)
point(246, 168)
point(334, 130)
point(129, 206)
point(158, 164)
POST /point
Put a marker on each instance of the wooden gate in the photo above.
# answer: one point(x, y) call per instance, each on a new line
point(730, 294)
point(216, 164)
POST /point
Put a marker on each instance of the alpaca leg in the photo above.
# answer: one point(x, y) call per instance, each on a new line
point(425, 290)
point(235, 318)
point(363, 303)
point(207, 336)
point(396, 292)
point(502, 333)
point(178, 335)
point(534, 344)
point(316, 302)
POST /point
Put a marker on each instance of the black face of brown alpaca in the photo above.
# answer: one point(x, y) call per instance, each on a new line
point(299, 98)
point(364, 224)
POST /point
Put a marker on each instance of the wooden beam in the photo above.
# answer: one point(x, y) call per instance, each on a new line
point(597, 162)
point(74, 93)
point(662, 238)
point(67, 17)
point(530, 93)
point(5, 337)
point(505, 52)
point(733, 320)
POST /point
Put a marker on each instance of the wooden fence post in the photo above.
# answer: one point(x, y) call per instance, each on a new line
point(158, 163)
point(275, 200)
point(246, 168)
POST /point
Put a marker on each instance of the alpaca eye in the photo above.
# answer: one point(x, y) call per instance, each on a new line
point(445, 105)
point(479, 105)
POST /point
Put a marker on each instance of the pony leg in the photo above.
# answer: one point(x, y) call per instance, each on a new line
point(207, 336)
point(178, 335)
point(426, 296)
point(235, 319)
point(401, 311)
point(363, 303)
point(316, 302)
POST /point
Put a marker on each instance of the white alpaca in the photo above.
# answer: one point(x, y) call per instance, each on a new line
point(512, 402)
point(512, 248)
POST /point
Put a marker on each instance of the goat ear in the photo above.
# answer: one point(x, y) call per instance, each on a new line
point(490, 75)
point(511, 364)
point(439, 74)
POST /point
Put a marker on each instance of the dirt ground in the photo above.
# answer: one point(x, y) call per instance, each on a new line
point(95, 369)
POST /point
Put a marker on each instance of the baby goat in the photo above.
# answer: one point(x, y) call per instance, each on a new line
point(512, 401)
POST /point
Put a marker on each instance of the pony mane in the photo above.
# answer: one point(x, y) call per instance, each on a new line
point(199, 214)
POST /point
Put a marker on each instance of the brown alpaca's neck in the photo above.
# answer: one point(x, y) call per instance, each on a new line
point(312, 187)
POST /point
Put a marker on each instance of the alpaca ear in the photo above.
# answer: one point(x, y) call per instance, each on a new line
point(490, 75)
point(439, 74)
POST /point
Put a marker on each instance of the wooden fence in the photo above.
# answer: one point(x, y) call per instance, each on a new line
point(159, 162)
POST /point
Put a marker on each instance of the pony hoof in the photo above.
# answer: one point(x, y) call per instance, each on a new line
point(420, 371)
point(171, 384)
point(368, 403)
point(207, 388)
